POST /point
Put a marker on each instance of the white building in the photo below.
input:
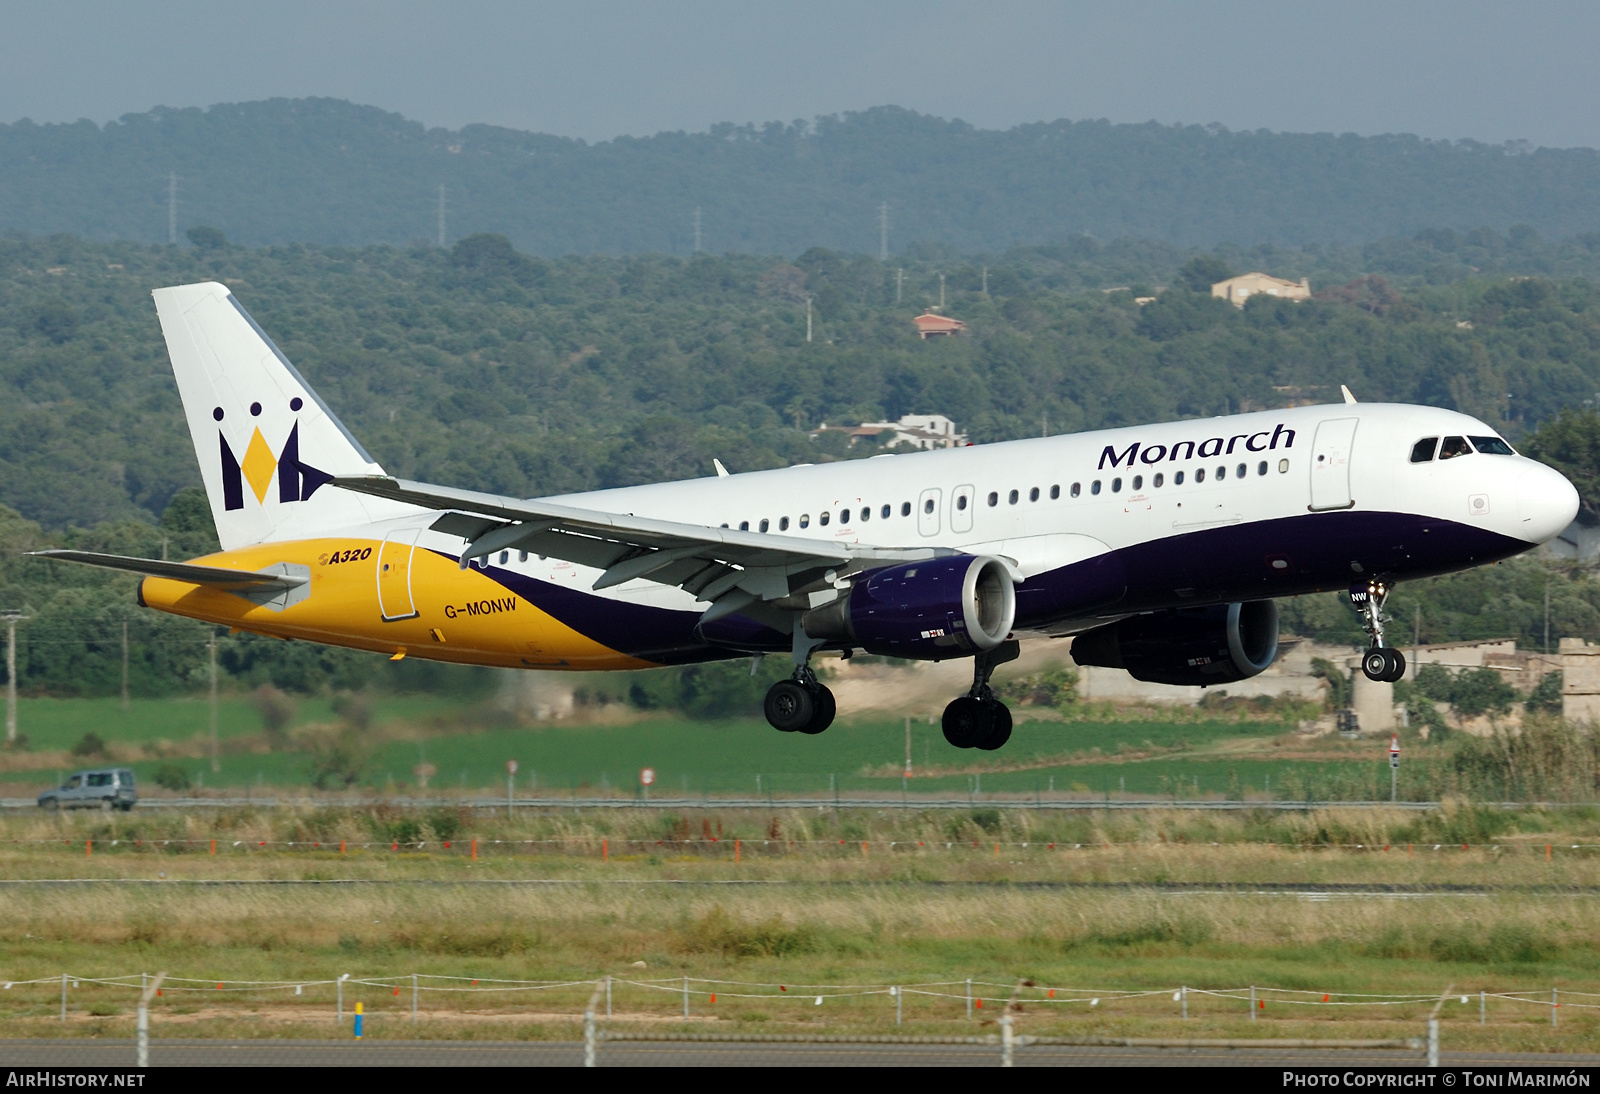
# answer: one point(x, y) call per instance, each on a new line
point(927, 431)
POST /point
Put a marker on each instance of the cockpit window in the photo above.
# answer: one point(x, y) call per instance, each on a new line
point(1492, 446)
point(1453, 447)
point(1422, 451)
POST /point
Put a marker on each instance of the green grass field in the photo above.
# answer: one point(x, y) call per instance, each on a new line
point(469, 747)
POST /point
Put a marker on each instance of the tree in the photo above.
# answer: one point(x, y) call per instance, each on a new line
point(206, 239)
point(1571, 444)
point(1203, 271)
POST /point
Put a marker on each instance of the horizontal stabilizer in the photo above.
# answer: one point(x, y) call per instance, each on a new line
point(179, 571)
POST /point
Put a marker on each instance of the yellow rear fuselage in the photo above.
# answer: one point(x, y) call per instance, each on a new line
point(366, 594)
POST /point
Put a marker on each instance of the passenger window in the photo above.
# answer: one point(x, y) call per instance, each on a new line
point(744, 526)
point(844, 516)
point(905, 509)
point(724, 524)
point(522, 556)
point(1094, 487)
point(1222, 472)
point(1157, 480)
point(824, 518)
point(763, 526)
point(866, 512)
point(961, 502)
point(505, 557)
point(1422, 451)
point(1055, 492)
point(1033, 495)
point(783, 524)
point(1138, 482)
point(1453, 447)
point(887, 512)
point(1261, 468)
point(994, 499)
point(72, 783)
point(927, 506)
point(1177, 478)
point(99, 779)
point(1075, 490)
point(1283, 467)
point(805, 520)
point(1492, 446)
point(1116, 486)
point(1240, 471)
point(1200, 475)
point(1011, 498)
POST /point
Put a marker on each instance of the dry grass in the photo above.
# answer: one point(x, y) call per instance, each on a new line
point(836, 915)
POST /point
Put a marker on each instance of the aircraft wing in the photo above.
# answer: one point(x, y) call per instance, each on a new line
point(724, 566)
point(180, 571)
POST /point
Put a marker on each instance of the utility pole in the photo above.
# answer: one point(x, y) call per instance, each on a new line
point(441, 216)
point(172, 207)
point(124, 665)
point(899, 284)
point(883, 232)
point(808, 319)
point(12, 618)
point(697, 229)
point(211, 648)
point(941, 292)
point(986, 281)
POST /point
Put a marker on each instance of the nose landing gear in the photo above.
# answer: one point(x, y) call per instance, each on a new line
point(977, 719)
point(1381, 663)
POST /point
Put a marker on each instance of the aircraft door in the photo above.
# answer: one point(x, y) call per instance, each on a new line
point(395, 601)
point(961, 509)
point(1330, 464)
point(928, 512)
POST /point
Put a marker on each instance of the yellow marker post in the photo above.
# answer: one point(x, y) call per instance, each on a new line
point(358, 1021)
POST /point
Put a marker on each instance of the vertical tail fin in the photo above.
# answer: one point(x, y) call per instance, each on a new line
point(266, 442)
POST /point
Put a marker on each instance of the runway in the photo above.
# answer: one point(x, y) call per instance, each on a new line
point(351, 1053)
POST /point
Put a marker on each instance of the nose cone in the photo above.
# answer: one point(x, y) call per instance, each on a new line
point(1546, 502)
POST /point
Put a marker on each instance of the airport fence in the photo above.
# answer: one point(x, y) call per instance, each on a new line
point(142, 1019)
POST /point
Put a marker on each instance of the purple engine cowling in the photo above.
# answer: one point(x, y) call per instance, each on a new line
point(1217, 644)
point(933, 610)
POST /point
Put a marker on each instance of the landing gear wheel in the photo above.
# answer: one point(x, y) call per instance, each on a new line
point(967, 721)
point(1383, 665)
point(789, 706)
point(822, 717)
point(1000, 732)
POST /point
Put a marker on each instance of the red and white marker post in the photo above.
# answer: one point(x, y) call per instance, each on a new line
point(1394, 767)
point(511, 775)
point(646, 777)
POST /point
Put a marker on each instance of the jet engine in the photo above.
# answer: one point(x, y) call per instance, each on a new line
point(941, 608)
point(1213, 645)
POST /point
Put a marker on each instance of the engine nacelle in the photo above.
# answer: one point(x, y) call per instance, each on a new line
point(1214, 645)
point(942, 608)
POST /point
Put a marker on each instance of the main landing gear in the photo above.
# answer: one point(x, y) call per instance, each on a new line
point(1381, 663)
point(977, 719)
point(800, 704)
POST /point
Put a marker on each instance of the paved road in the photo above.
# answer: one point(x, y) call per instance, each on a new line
point(202, 1053)
point(910, 802)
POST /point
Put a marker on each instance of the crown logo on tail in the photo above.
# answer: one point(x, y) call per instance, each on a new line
point(297, 480)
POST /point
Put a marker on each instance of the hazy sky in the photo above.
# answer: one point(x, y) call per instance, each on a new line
point(1468, 68)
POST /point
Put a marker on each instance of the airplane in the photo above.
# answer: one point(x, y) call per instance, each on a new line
point(1161, 548)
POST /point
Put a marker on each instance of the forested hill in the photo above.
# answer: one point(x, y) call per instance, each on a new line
point(330, 172)
point(482, 367)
